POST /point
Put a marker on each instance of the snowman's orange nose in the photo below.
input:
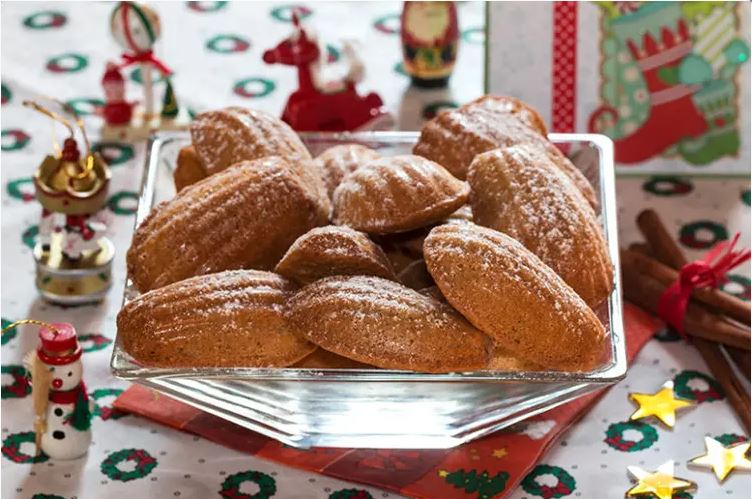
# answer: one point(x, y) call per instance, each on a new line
point(57, 383)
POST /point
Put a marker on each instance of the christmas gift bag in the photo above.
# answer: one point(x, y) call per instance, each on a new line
point(669, 82)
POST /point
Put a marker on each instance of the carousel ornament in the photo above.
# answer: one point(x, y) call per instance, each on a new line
point(73, 256)
point(63, 411)
point(136, 28)
point(320, 105)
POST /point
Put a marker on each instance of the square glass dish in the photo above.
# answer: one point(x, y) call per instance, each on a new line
point(381, 408)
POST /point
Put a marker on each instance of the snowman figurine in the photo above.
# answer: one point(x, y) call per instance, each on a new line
point(65, 423)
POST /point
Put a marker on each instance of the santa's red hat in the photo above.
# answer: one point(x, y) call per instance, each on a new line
point(112, 74)
point(58, 345)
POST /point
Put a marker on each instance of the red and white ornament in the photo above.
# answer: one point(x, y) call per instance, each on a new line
point(67, 419)
point(116, 110)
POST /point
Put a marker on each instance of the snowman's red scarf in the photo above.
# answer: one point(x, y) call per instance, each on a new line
point(80, 418)
point(69, 396)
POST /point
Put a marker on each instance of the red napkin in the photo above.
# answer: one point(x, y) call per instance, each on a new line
point(492, 466)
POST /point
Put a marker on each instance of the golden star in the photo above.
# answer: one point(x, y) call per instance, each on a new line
point(722, 459)
point(499, 453)
point(661, 404)
point(661, 483)
point(443, 473)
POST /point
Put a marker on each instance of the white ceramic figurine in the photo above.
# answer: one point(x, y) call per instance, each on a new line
point(64, 415)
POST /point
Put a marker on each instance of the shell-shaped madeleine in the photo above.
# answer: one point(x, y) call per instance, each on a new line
point(188, 169)
point(333, 250)
point(323, 359)
point(243, 217)
point(520, 192)
point(503, 360)
point(339, 161)
point(453, 138)
point(226, 136)
point(397, 194)
point(385, 324)
point(229, 319)
point(508, 293)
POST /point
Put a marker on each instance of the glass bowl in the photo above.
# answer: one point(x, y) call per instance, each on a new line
point(381, 408)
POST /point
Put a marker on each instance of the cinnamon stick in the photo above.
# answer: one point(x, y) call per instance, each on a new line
point(644, 290)
point(718, 300)
point(742, 360)
point(643, 248)
point(660, 241)
point(719, 366)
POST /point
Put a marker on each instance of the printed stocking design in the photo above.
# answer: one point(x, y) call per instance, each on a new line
point(658, 48)
point(716, 101)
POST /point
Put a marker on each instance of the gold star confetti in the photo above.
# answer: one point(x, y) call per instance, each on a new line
point(723, 459)
point(661, 483)
point(662, 404)
point(499, 453)
point(443, 473)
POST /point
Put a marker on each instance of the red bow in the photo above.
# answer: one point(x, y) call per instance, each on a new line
point(709, 272)
point(145, 57)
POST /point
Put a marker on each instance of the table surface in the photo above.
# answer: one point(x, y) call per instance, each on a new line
point(60, 50)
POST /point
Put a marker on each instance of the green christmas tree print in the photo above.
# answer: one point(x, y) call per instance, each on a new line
point(169, 103)
point(485, 485)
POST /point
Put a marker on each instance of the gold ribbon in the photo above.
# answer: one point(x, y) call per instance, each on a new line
point(65, 122)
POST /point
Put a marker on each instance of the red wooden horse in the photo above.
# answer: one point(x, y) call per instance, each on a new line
point(311, 108)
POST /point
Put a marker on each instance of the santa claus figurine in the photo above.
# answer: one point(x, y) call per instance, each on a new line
point(63, 416)
point(116, 110)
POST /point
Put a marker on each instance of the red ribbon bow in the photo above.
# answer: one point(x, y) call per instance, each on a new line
point(709, 272)
point(145, 57)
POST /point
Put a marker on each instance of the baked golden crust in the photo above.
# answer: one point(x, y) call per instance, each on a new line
point(229, 319)
point(333, 250)
point(339, 161)
point(453, 138)
point(385, 324)
point(520, 192)
point(323, 359)
point(507, 292)
point(188, 169)
point(503, 360)
point(233, 134)
point(397, 194)
point(243, 217)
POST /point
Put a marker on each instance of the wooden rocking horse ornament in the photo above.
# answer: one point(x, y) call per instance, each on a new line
point(335, 106)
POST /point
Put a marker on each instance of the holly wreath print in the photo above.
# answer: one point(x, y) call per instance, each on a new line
point(117, 203)
point(21, 188)
point(737, 285)
point(13, 140)
point(667, 186)
point(9, 335)
point(731, 438)
point(46, 19)
point(615, 436)
point(12, 448)
point(106, 412)
point(267, 486)
point(144, 462)
point(114, 153)
point(702, 234)
point(566, 483)
point(683, 389)
point(20, 387)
